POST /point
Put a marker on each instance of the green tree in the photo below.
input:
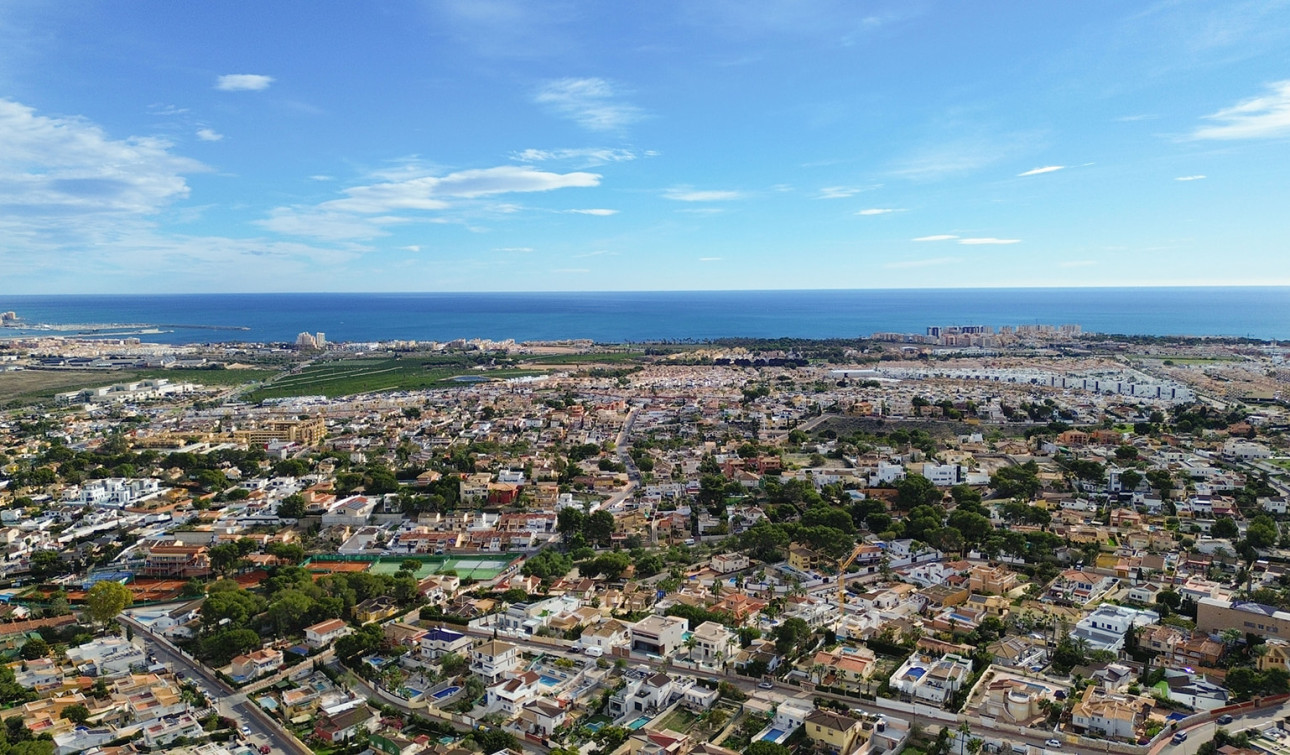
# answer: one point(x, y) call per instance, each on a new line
point(76, 713)
point(292, 507)
point(1225, 527)
point(915, 490)
point(762, 747)
point(106, 599)
point(790, 635)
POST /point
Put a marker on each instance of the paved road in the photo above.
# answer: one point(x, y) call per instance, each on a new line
point(928, 717)
point(226, 700)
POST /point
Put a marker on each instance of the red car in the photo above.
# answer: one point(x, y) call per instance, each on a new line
point(265, 749)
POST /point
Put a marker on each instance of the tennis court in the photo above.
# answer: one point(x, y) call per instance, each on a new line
point(478, 568)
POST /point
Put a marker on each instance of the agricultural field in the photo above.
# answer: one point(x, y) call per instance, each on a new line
point(350, 376)
point(32, 386)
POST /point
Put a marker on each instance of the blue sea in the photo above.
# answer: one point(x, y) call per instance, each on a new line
point(610, 317)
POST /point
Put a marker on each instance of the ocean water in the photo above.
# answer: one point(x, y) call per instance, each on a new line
point(1259, 312)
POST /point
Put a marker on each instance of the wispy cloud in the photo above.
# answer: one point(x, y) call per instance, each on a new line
point(584, 155)
point(321, 177)
point(1255, 118)
point(514, 249)
point(594, 211)
point(1189, 178)
point(880, 211)
point(1045, 169)
point(411, 248)
point(988, 240)
point(367, 210)
point(686, 194)
point(597, 253)
point(243, 82)
point(842, 192)
point(933, 262)
point(592, 103)
point(572, 270)
point(209, 135)
point(937, 237)
point(961, 155)
point(709, 259)
point(1077, 263)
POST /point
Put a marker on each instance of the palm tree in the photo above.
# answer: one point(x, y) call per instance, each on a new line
point(965, 730)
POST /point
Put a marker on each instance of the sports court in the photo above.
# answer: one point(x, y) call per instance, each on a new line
point(478, 568)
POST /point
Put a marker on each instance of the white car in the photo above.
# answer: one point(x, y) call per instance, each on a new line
point(1053, 743)
point(765, 685)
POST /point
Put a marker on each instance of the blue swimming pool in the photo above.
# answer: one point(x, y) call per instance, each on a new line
point(446, 692)
point(549, 681)
point(411, 692)
point(595, 726)
point(773, 735)
point(634, 725)
point(917, 672)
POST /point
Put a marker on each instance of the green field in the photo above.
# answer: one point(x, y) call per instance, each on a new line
point(29, 386)
point(350, 376)
point(479, 568)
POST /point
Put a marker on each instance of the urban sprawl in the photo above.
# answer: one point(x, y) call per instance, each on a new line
point(973, 539)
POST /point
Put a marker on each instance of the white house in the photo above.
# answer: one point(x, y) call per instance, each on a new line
point(323, 633)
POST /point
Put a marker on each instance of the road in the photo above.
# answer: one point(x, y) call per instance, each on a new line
point(929, 717)
point(1202, 733)
point(227, 701)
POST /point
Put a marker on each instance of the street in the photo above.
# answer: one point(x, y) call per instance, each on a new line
point(225, 700)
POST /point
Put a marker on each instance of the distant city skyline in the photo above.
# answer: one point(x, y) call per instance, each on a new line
point(492, 145)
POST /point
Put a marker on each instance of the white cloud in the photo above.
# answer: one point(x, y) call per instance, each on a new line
point(989, 240)
point(594, 211)
point(842, 192)
point(937, 237)
point(54, 168)
point(586, 155)
point(514, 249)
point(709, 259)
point(321, 178)
point(1189, 178)
point(592, 103)
point(366, 210)
point(597, 253)
point(243, 82)
point(1045, 169)
point(1077, 263)
point(572, 270)
point(879, 211)
point(411, 248)
point(685, 194)
point(209, 135)
point(433, 192)
point(933, 262)
point(1256, 118)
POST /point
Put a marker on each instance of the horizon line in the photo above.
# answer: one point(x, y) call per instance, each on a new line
point(666, 290)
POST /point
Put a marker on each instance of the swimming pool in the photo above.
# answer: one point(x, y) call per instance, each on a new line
point(412, 692)
point(446, 692)
point(634, 725)
point(549, 681)
point(916, 672)
point(595, 726)
point(773, 735)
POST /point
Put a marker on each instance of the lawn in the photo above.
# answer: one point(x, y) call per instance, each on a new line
point(679, 720)
point(350, 376)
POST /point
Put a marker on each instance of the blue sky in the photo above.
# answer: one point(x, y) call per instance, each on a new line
point(490, 145)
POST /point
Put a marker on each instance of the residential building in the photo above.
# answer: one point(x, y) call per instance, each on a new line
point(658, 635)
point(1213, 615)
point(439, 641)
point(346, 724)
point(176, 561)
point(1109, 715)
point(832, 731)
point(494, 659)
point(256, 664)
point(714, 644)
point(323, 633)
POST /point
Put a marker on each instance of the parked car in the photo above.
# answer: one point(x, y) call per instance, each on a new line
point(1053, 743)
point(265, 749)
point(1225, 719)
point(765, 685)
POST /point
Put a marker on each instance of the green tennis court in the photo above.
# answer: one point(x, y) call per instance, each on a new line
point(478, 568)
